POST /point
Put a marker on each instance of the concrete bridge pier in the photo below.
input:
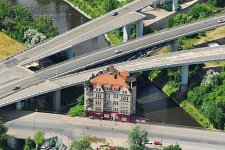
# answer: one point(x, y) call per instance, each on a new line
point(126, 33)
point(175, 5)
point(174, 46)
point(18, 106)
point(139, 28)
point(69, 53)
point(12, 142)
point(57, 100)
point(184, 77)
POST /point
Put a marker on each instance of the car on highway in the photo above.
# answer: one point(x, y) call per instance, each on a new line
point(16, 88)
point(221, 20)
point(114, 13)
point(118, 51)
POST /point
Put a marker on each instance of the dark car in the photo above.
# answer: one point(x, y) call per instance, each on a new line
point(114, 13)
point(16, 88)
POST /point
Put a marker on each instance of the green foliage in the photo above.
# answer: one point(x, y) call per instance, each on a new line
point(196, 114)
point(39, 138)
point(29, 144)
point(174, 77)
point(167, 6)
point(80, 100)
point(217, 3)
point(77, 110)
point(81, 144)
point(178, 20)
point(209, 98)
point(3, 131)
point(153, 74)
point(15, 20)
point(172, 147)
point(201, 11)
point(98, 7)
point(137, 138)
point(44, 25)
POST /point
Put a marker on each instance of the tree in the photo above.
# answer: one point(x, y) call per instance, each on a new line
point(77, 110)
point(137, 138)
point(32, 37)
point(81, 144)
point(29, 144)
point(172, 147)
point(39, 138)
point(3, 130)
point(200, 11)
point(217, 3)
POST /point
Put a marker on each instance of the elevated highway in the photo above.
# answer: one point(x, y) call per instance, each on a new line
point(174, 59)
point(132, 46)
point(126, 15)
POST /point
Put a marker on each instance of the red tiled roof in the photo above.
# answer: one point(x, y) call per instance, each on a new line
point(111, 80)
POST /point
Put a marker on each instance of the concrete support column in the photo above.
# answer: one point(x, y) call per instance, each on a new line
point(139, 28)
point(184, 77)
point(175, 5)
point(12, 142)
point(18, 106)
point(174, 46)
point(57, 100)
point(126, 33)
point(69, 53)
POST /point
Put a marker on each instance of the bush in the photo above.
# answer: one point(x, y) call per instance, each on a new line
point(78, 110)
point(167, 6)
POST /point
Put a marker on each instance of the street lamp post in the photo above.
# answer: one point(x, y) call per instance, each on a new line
point(34, 119)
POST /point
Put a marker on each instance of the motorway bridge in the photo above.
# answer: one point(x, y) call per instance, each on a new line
point(12, 76)
point(174, 59)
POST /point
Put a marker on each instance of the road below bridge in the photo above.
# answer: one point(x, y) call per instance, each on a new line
point(21, 124)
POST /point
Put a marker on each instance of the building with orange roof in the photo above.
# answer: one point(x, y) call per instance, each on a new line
point(110, 94)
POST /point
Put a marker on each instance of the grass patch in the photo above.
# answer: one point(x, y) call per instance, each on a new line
point(8, 46)
point(114, 39)
point(192, 111)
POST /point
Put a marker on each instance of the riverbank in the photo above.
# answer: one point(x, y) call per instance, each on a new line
point(78, 9)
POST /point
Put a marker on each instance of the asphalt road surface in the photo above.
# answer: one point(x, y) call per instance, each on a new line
point(174, 59)
point(24, 124)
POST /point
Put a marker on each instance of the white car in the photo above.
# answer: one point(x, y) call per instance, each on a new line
point(221, 20)
point(118, 51)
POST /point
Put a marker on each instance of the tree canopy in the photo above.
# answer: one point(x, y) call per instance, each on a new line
point(81, 144)
point(137, 138)
point(3, 131)
point(209, 97)
point(39, 138)
point(15, 20)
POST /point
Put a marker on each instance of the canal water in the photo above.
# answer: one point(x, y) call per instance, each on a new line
point(158, 107)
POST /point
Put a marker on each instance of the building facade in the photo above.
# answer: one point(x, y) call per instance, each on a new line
point(110, 94)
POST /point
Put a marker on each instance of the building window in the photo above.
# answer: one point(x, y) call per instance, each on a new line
point(98, 102)
point(115, 109)
point(98, 109)
point(123, 111)
point(115, 96)
point(107, 95)
point(98, 95)
point(115, 102)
